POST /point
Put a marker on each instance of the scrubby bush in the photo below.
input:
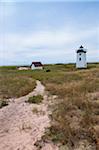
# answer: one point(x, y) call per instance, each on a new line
point(3, 103)
point(35, 99)
point(48, 70)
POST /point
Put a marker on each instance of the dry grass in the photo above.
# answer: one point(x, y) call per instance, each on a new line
point(75, 111)
point(15, 84)
point(35, 110)
point(73, 116)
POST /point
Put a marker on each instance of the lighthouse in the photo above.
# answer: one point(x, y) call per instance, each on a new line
point(81, 58)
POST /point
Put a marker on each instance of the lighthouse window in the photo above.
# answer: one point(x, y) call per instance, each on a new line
point(80, 54)
point(79, 59)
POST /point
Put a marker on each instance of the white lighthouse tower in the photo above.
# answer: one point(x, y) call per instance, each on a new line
point(81, 58)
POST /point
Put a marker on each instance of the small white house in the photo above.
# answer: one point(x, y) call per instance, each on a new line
point(36, 65)
point(81, 58)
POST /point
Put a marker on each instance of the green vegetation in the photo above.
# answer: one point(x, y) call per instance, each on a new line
point(35, 99)
point(3, 103)
point(13, 83)
point(74, 112)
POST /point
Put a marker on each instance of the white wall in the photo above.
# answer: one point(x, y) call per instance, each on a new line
point(81, 63)
point(33, 67)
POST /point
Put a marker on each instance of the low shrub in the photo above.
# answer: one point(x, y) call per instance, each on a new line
point(48, 70)
point(35, 99)
point(3, 103)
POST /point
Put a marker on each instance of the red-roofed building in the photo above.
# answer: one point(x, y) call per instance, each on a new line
point(36, 65)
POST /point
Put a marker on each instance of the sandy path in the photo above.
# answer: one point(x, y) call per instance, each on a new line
point(20, 128)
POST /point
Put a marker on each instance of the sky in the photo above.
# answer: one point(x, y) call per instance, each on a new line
point(48, 31)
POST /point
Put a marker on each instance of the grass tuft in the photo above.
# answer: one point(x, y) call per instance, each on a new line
point(35, 99)
point(3, 103)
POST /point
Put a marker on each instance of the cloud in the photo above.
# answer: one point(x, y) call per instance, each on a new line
point(43, 44)
point(47, 32)
point(50, 39)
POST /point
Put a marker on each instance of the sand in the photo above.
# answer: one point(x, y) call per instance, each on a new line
point(20, 127)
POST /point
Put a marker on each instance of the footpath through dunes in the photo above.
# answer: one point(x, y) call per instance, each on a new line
point(20, 126)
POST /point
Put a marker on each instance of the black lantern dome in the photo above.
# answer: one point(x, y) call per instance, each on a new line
point(81, 49)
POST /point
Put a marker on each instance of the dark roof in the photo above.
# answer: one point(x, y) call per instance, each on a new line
point(37, 64)
point(81, 46)
point(78, 51)
point(81, 49)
